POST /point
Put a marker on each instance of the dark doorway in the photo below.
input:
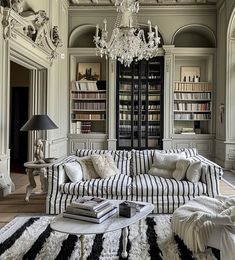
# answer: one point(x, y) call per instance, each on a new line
point(19, 107)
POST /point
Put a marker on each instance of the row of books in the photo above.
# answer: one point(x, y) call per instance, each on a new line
point(195, 96)
point(192, 106)
point(200, 86)
point(136, 97)
point(150, 107)
point(86, 85)
point(90, 209)
point(192, 116)
point(79, 127)
point(89, 105)
point(89, 95)
point(88, 116)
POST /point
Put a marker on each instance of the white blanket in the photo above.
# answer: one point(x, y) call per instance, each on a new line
point(207, 221)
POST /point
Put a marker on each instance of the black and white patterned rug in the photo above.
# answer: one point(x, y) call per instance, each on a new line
point(32, 238)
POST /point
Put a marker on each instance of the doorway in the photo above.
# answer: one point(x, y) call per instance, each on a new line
point(19, 112)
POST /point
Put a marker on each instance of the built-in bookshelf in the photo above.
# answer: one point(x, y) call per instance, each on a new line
point(88, 107)
point(192, 107)
point(140, 104)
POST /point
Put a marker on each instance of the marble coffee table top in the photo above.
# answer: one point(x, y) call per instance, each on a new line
point(115, 222)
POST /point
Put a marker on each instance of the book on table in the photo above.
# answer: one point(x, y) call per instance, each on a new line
point(89, 203)
point(90, 218)
point(90, 213)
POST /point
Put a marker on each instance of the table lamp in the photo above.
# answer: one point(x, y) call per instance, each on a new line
point(36, 123)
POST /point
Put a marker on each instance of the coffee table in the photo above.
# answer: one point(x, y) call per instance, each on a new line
point(116, 222)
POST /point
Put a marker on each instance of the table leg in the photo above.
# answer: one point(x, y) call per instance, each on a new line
point(82, 247)
point(124, 241)
point(43, 180)
point(31, 185)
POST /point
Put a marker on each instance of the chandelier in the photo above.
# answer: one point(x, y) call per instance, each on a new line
point(127, 42)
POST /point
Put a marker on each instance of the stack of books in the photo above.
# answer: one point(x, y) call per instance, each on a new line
point(91, 209)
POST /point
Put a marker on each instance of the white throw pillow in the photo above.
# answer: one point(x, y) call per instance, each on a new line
point(167, 161)
point(104, 165)
point(193, 173)
point(88, 169)
point(73, 171)
point(181, 168)
point(166, 173)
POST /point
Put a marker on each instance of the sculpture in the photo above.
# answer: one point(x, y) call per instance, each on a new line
point(39, 151)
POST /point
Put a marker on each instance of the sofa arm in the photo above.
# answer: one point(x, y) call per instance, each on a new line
point(211, 174)
point(56, 174)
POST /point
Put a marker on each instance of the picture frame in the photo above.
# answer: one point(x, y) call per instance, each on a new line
point(190, 74)
point(88, 71)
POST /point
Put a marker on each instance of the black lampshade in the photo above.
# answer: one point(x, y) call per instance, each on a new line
point(39, 122)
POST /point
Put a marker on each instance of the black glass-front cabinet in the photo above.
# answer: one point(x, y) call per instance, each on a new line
point(140, 104)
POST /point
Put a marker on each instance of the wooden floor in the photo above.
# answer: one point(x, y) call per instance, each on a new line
point(15, 205)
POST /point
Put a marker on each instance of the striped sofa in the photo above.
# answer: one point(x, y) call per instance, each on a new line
point(133, 182)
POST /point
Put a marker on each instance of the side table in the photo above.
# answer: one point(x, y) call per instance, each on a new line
point(34, 169)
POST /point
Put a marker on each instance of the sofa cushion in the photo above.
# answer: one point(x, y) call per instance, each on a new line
point(141, 161)
point(121, 158)
point(181, 168)
point(73, 171)
point(148, 185)
point(193, 173)
point(104, 165)
point(88, 169)
point(116, 185)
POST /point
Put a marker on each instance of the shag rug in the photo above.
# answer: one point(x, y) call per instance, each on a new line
point(32, 238)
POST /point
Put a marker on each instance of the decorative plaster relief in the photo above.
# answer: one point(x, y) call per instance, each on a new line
point(34, 25)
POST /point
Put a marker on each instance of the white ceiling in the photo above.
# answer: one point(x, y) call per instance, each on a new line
point(144, 2)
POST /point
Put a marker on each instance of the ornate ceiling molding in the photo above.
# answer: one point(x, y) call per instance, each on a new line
point(142, 2)
point(34, 25)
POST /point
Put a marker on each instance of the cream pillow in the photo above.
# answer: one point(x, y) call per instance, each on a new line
point(73, 171)
point(88, 169)
point(181, 168)
point(193, 173)
point(166, 173)
point(167, 161)
point(104, 165)
point(164, 164)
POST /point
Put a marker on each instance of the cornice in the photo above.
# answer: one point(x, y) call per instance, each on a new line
point(181, 9)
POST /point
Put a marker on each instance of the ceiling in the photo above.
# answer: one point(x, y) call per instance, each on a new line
point(143, 2)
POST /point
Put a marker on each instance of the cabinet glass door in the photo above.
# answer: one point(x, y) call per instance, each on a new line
point(139, 105)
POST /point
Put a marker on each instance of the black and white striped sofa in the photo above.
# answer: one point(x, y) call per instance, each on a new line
point(133, 182)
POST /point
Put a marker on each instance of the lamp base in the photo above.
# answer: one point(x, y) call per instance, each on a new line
point(39, 151)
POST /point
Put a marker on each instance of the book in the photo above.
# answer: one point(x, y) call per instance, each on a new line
point(89, 203)
point(91, 219)
point(96, 213)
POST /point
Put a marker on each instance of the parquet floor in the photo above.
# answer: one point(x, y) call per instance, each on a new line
point(15, 205)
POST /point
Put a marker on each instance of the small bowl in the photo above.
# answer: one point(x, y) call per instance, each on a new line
point(49, 160)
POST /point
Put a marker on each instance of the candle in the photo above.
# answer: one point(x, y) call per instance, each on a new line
point(97, 30)
point(105, 24)
point(150, 26)
point(156, 30)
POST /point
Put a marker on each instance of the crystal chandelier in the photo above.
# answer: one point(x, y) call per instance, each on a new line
point(127, 42)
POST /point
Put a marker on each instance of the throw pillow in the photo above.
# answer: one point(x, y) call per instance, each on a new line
point(193, 173)
point(166, 173)
point(88, 169)
point(167, 161)
point(73, 171)
point(181, 168)
point(104, 165)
